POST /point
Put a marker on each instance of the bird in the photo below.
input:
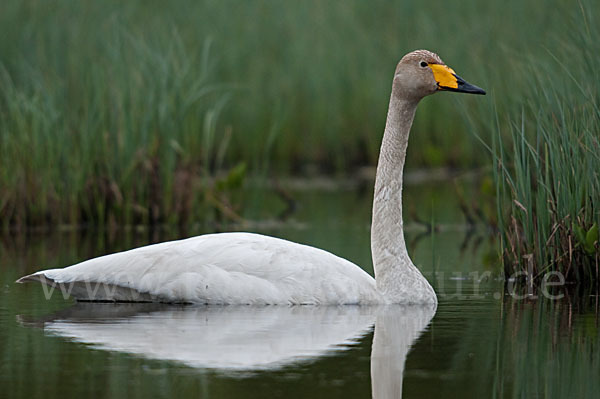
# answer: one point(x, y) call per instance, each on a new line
point(246, 268)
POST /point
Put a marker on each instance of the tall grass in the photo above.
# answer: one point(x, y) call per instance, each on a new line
point(123, 132)
point(121, 111)
point(548, 171)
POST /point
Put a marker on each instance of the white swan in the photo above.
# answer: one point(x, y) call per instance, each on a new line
point(245, 268)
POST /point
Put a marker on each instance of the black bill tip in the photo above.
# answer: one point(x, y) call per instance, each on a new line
point(465, 87)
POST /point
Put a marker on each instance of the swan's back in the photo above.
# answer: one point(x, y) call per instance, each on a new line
point(226, 268)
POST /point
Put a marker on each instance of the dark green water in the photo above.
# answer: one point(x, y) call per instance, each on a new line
point(479, 343)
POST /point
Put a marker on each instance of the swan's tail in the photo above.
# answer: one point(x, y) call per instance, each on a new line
point(86, 289)
point(38, 277)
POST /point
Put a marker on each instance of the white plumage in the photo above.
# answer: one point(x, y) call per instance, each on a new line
point(226, 268)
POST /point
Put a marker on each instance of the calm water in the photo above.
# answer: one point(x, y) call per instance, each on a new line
point(479, 342)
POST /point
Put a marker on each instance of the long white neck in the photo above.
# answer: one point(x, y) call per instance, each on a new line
point(396, 276)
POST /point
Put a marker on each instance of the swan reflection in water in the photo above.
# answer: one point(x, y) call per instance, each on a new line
point(244, 338)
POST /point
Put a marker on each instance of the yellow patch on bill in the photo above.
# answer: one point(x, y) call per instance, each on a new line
point(444, 75)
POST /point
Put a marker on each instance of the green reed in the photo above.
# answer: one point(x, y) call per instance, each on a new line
point(124, 112)
point(124, 132)
point(547, 171)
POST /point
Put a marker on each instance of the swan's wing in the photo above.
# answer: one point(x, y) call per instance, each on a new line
point(230, 268)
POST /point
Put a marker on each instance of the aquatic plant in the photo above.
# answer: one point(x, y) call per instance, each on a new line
point(547, 172)
point(130, 138)
point(117, 112)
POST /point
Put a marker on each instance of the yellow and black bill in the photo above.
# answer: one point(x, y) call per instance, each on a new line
point(448, 80)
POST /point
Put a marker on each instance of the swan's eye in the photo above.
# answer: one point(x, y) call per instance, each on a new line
point(423, 64)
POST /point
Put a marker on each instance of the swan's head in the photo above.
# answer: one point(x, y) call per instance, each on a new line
point(421, 73)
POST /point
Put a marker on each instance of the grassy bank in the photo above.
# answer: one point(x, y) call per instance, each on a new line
point(548, 171)
point(124, 112)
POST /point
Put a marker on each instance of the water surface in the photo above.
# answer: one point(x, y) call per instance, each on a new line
point(479, 342)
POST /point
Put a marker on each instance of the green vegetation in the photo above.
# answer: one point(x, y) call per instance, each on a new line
point(548, 171)
point(118, 112)
point(107, 126)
